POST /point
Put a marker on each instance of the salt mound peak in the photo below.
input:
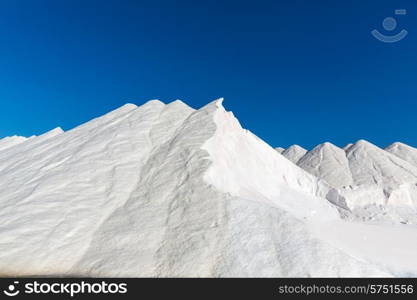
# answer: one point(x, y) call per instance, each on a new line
point(49, 134)
point(329, 163)
point(11, 141)
point(13, 137)
point(129, 106)
point(364, 143)
point(404, 152)
point(179, 103)
point(326, 145)
point(126, 108)
point(279, 149)
point(396, 145)
point(153, 102)
point(294, 153)
point(22, 144)
point(57, 130)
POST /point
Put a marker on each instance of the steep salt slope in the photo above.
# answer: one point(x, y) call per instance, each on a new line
point(294, 153)
point(329, 163)
point(242, 163)
point(404, 152)
point(164, 190)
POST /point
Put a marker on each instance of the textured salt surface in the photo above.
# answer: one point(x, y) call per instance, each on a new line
point(166, 190)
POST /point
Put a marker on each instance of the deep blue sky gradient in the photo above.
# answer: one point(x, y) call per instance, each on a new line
point(292, 71)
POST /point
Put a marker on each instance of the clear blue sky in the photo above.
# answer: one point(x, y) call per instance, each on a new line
point(292, 71)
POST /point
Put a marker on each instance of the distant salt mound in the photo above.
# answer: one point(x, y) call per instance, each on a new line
point(279, 149)
point(163, 190)
point(392, 182)
point(404, 152)
point(370, 183)
point(294, 153)
point(370, 164)
point(329, 163)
